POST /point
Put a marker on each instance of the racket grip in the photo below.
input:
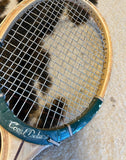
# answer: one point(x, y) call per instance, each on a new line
point(13, 148)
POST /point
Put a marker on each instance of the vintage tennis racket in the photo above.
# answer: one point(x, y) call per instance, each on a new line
point(55, 63)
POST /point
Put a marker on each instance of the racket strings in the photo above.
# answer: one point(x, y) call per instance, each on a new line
point(52, 61)
point(39, 61)
point(47, 58)
point(73, 95)
point(30, 93)
point(22, 98)
point(64, 45)
point(39, 82)
point(36, 43)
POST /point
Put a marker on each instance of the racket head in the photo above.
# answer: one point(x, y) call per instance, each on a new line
point(53, 135)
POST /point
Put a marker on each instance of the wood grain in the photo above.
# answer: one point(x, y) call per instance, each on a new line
point(11, 145)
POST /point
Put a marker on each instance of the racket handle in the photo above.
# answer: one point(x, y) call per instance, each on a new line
point(13, 148)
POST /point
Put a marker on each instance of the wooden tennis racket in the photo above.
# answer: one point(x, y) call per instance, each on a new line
point(55, 63)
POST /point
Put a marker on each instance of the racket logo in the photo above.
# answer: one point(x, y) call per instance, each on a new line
point(28, 132)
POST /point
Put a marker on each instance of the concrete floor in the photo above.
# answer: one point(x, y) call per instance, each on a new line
point(104, 138)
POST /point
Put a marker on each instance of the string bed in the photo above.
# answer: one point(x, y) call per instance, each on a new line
point(51, 63)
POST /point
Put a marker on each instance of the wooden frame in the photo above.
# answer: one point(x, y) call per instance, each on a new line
point(8, 140)
point(12, 145)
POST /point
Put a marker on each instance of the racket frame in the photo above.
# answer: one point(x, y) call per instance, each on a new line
point(53, 136)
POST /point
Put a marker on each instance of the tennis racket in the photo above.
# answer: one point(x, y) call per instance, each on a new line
point(55, 63)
